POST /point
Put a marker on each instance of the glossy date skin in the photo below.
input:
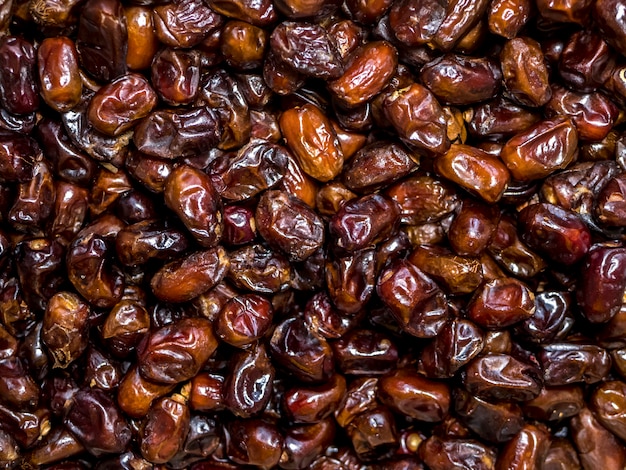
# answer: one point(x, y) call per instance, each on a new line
point(176, 352)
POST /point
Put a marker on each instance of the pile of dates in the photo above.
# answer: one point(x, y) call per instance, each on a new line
point(313, 234)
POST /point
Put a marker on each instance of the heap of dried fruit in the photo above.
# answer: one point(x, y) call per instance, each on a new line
point(322, 235)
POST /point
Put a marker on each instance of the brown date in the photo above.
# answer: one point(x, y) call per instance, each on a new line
point(410, 394)
point(165, 429)
point(474, 170)
point(363, 222)
point(176, 352)
point(117, 106)
point(302, 351)
point(546, 147)
point(313, 141)
point(59, 75)
point(602, 283)
point(185, 23)
point(460, 80)
point(244, 319)
point(415, 300)
point(172, 134)
point(65, 327)
point(19, 88)
point(307, 49)
point(525, 73)
point(186, 278)
point(418, 118)
point(248, 387)
point(597, 447)
point(191, 195)
point(368, 69)
point(142, 41)
point(97, 422)
point(102, 39)
point(502, 377)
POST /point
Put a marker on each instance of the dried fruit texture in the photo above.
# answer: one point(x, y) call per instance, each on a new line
point(313, 234)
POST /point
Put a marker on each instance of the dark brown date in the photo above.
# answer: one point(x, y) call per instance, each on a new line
point(460, 80)
point(102, 39)
point(97, 422)
point(597, 447)
point(311, 404)
point(19, 88)
point(415, 300)
point(302, 351)
point(494, 422)
point(174, 134)
point(176, 352)
point(456, 344)
point(191, 195)
point(307, 49)
point(364, 222)
point(410, 394)
point(546, 147)
point(288, 224)
point(558, 234)
point(602, 283)
point(248, 387)
point(502, 377)
point(257, 166)
point(568, 363)
point(253, 442)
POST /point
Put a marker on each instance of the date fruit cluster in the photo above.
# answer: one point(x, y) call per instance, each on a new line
point(313, 234)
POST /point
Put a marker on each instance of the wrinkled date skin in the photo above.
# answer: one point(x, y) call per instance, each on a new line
point(65, 328)
point(290, 225)
point(460, 80)
point(475, 170)
point(176, 352)
point(307, 49)
point(102, 39)
point(560, 235)
point(97, 422)
point(525, 73)
point(248, 388)
point(369, 68)
point(313, 141)
point(185, 279)
point(603, 283)
point(165, 430)
point(363, 222)
point(19, 91)
point(418, 118)
point(59, 74)
point(548, 146)
point(115, 107)
point(90, 267)
point(415, 300)
point(191, 195)
point(174, 134)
